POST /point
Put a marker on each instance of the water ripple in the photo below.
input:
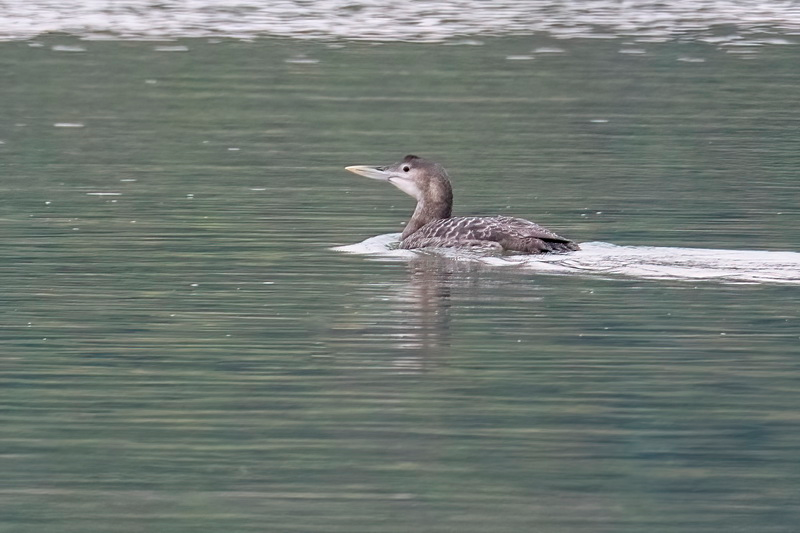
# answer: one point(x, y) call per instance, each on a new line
point(430, 21)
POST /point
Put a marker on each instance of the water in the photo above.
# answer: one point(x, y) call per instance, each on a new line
point(744, 23)
point(183, 351)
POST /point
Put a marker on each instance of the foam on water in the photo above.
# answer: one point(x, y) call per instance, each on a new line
point(604, 259)
point(395, 20)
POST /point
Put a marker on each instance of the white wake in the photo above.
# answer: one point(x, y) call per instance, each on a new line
point(600, 258)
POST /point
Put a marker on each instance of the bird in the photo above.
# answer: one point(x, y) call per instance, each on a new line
point(432, 224)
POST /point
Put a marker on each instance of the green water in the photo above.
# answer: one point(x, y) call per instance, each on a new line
point(187, 354)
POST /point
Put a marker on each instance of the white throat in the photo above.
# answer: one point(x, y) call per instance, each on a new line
point(407, 186)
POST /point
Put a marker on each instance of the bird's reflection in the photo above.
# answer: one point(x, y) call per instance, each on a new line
point(405, 325)
point(424, 302)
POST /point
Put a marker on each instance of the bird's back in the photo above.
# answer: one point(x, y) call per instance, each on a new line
point(507, 233)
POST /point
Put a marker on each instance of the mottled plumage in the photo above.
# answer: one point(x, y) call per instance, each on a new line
point(432, 225)
point(507, 233)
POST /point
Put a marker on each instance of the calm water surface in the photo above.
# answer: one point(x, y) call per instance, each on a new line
point(182, 350)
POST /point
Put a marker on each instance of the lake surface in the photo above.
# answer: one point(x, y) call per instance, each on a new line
point(182, 350)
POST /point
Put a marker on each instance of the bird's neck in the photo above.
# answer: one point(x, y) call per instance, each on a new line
point(428, 210)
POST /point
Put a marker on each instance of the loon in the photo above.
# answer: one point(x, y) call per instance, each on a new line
point(432, 223)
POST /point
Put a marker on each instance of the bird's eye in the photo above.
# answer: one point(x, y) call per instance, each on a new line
point(406, 168)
